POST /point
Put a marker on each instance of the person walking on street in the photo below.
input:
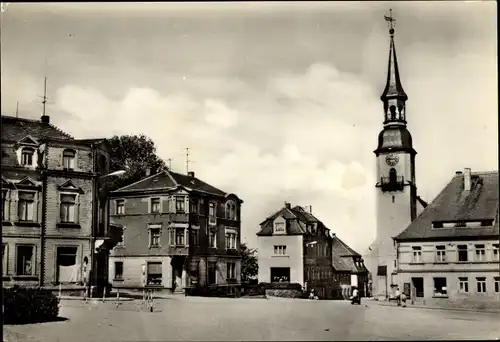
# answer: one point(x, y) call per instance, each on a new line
point(398, 296)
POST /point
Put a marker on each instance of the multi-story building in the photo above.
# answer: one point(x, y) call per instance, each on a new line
point(450, 252)
point(55, 227)
point(294, 246)
point(178, 233)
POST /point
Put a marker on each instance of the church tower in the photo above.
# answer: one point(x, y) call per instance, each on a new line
point(396, 190)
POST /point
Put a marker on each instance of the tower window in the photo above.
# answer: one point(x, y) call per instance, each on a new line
point(393, 176)
point(393, 112)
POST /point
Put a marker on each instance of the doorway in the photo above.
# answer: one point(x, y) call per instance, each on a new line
point(177, 273)
point(417, 288)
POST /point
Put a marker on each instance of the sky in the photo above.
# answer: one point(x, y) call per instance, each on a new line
point(276, 101)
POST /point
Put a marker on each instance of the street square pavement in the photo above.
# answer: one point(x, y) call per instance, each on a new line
point(195, 318)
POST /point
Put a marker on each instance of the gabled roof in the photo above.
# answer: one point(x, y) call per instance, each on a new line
point(14, 129)
point(297, 220)
point(453, 204)
point(344, 257)
point(168, 179)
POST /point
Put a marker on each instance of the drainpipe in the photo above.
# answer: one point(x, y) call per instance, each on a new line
point(44, 219)
point(94, 217)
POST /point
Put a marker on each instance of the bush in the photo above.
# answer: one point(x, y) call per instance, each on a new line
point(284, 293)
point(29, 305)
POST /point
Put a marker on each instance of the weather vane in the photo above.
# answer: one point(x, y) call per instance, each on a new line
point(390, 19)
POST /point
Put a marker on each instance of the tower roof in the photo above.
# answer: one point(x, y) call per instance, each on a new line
point(393, 87)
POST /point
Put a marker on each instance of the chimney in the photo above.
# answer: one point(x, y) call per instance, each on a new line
point(458, 173)
point(310, 209)
point(467, 181)
point(288, 205)
point(45, 119)
point(148, 172)
point(191, 174)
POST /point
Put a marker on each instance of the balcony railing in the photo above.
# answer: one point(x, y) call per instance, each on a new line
point(392, 183)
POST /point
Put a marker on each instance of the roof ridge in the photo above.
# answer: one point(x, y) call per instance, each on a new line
point(139, 181)
point(168, 172)
point(485, 172)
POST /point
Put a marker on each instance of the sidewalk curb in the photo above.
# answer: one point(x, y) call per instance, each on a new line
point(442, 308)
point(107, 299)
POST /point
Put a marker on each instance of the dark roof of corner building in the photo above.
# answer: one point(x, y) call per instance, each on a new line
point(168, 179)
point(297, 219)
point(14, 129)
point(344, 257)
point(453, 204)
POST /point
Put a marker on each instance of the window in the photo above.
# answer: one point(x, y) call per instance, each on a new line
point(280, 250)
point(279, 228)
point(231, 239)
point(497, 284)
point(417, 254)
point(282, 274)
point(194, 206)
point(231, 270)
point(5, 208)
point(154, 273)
point(393, 176)
point(463, 254)
point(154, 237)
point(211, 209)
point(4, 258)
point(495, 252)
point(25, 206)
point(230, 210)
point(212, 237)
point(481, 284)
point(463, 285)
point(180, 204)
point(67, 268)
point(155, 205)
point(195, 233)
point(440, 253)
point(440, 287)
point(212, 267)
point(120, 207)
point(179, 237)
point(118, 270)
point(68, 205)
point(69, 159)
point(25, 260)
point(27, 156)
point(480, 252)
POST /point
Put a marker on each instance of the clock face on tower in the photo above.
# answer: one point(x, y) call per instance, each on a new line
point(391, 159)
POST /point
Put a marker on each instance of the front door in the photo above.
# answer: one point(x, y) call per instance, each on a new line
point(417, 288)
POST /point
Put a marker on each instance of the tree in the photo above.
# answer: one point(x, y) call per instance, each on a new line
point(135, 154)
point(249, 265)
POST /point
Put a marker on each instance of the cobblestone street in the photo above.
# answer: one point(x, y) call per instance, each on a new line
point(253, 319)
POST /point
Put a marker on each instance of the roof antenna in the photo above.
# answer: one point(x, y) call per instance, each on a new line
point(44, 94)
point(169, 160)
point(17, 109)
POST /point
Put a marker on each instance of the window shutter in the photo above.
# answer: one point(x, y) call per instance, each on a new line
point(77, 209)
point(59, 209)
point(171, 236)
point(186, 237)
point(186, 205)
point(36, 206)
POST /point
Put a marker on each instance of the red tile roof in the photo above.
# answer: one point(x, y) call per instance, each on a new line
point(454, 204)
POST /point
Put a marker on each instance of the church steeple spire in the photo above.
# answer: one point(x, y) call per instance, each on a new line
point(393, 97)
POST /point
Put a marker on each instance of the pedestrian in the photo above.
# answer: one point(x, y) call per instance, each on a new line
point(355, 296)
point(311, 294)
point(398, 296)
point(403, 299)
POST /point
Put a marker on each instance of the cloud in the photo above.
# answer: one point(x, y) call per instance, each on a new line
point(299, 150)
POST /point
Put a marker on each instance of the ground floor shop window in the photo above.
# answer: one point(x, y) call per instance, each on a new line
point(154, 273)
point(25, 260)
point(280, 274)
point(67, 270)
point(481, 284)
point(119, 270)
point(212, 275)
point(440, 289)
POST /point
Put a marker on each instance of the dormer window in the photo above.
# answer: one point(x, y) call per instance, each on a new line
point(69, 159)
point(279, 227)
point(27, 156)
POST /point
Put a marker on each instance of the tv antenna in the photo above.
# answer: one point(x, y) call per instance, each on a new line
point(44, 97)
